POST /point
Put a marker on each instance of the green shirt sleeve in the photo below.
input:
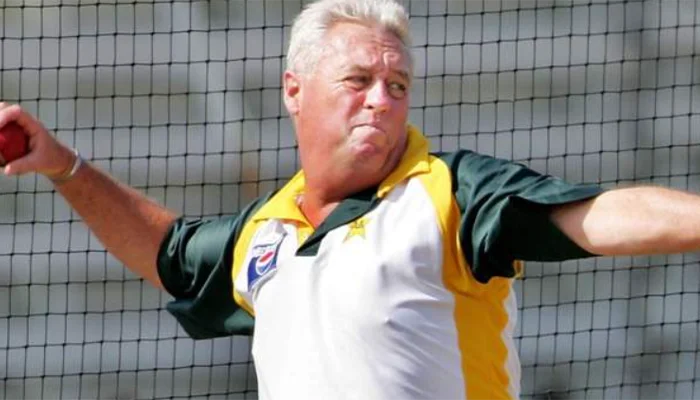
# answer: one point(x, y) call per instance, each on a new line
point(194, 265)
point(505, 210)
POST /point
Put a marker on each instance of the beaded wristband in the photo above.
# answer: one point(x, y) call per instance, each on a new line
point(73, 170)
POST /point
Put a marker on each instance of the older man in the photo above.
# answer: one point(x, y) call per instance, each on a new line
point(380, 270)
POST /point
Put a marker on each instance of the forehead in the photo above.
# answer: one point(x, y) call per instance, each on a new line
point(352, 44)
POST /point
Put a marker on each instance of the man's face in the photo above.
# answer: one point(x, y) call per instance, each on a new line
point(351, 111)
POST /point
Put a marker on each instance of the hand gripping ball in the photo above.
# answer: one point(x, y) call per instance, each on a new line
point(13, 143)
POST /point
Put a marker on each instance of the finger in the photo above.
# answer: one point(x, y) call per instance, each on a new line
point(19, 166)
point(15, 113)
point(8, 113)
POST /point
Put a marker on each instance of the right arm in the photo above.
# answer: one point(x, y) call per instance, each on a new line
point(130, 225)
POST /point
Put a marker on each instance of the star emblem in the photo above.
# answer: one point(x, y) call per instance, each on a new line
point(356, 228)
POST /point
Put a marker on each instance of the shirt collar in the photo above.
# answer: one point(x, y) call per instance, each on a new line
point(413, 162)
point(284, 204)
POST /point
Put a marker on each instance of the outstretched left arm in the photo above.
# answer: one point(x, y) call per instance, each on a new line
point(633, 221)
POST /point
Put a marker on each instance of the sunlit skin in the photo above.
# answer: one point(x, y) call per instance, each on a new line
point(350, 114)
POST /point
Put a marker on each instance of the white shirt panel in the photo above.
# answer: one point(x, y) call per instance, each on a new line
point(365, 318)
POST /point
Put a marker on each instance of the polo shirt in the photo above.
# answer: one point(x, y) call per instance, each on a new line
point(405, 291)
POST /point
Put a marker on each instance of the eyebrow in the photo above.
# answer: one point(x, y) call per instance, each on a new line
point(358, 68)
point(405, 75)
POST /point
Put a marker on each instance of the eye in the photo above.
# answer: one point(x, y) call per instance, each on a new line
point(397, 90)
point(357, 81)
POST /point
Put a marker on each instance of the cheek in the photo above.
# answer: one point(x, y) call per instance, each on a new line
point(399, 111)
point(399, 119)
point(338, 106)
point(353, 102)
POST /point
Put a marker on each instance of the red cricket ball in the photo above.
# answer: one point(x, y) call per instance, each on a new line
point(13, 143)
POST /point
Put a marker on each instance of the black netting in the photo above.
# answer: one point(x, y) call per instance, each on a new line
point(182, 100)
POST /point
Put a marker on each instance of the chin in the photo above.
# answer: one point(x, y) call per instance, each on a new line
point(367, 152)
point(376, 163)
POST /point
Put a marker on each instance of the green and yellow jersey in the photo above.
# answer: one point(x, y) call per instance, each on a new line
point(404, 291)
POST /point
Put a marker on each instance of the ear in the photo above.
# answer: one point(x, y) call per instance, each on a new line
point(291, 87)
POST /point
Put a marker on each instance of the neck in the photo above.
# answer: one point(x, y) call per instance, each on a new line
point(325, 187)
point(316, 210)
point(322, 194)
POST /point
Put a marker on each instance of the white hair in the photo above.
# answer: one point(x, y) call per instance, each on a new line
point(310, 27)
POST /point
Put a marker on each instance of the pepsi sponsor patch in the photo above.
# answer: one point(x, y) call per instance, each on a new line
point(263, 261)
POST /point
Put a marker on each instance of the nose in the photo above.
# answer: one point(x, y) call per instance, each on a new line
point(377, 97)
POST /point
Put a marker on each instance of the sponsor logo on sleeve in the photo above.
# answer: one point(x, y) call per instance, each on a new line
point(263, 261)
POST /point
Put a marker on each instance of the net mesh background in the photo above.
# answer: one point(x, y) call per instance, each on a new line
point(181, 99)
